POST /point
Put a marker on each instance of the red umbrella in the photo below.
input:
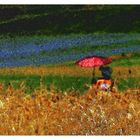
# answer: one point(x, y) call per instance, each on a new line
point(93, 61)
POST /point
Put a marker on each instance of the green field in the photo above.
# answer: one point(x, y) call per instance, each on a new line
point(63, 83)
point(127, 62)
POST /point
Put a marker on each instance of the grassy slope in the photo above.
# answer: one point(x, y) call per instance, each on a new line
point(128, 62)
point(68, 19)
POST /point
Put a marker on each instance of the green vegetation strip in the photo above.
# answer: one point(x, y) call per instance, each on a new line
point(130, 83)
point(64, 83)
point(127, 62)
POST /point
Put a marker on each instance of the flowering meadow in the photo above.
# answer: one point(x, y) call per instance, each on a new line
point(42, 50)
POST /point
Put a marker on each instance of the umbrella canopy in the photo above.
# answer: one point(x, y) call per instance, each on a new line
point(93, 61)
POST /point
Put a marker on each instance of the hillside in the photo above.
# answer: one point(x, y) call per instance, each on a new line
point(65, 19)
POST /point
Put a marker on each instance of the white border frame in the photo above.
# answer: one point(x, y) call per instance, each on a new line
point(126, 2)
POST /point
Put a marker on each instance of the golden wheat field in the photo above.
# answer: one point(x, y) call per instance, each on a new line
point(55, 113)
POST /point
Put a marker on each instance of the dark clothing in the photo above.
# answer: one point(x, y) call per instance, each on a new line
point(106, 72)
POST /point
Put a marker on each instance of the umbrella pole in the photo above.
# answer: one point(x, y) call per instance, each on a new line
point(93, 73)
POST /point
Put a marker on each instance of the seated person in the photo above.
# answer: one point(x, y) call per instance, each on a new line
point(104, 83)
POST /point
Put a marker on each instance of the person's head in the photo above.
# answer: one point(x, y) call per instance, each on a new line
point(106, 72)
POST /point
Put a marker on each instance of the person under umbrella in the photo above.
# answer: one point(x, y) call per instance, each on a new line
point(105, 82)
point(98, 61)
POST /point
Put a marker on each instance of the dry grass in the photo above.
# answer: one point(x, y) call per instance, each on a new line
point(121, 71)
point(50, 113)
